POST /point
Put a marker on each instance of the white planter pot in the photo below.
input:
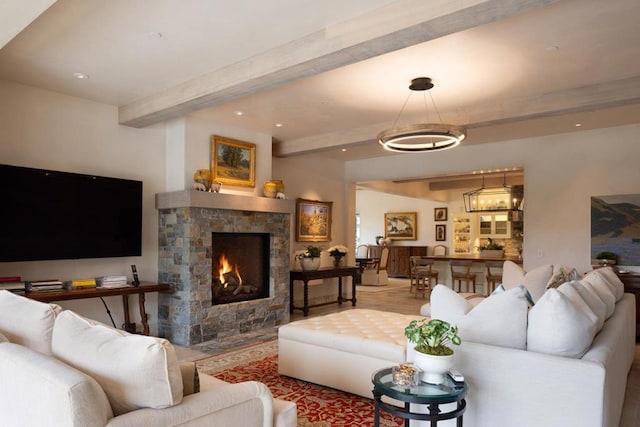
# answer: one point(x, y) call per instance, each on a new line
point(310, 264)
point(434, 368)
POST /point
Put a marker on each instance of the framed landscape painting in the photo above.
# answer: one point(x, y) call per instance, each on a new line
point(313, 221)
point(233, 162)
point(400, 226)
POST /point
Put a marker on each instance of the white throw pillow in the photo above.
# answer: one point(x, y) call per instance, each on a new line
point(135, 371)
point(448, 305)
point(497, 320)
point(612, 279)
point(599, 286)
point(575, 291)
point(27, 322)
point(535, 280)
point(559, 327)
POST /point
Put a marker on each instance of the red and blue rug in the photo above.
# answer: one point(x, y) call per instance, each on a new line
point(318, 406)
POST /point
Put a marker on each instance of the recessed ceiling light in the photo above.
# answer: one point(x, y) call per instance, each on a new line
point(279, 125)
point(343, 150)
point(578, 125)
point(155, 34)
point(80, 76)
point(552, 48)
point(238, 113)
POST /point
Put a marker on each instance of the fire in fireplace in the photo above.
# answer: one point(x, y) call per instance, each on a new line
point(240, 264)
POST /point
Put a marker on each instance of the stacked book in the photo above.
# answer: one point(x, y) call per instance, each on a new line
point(13, 284)
point(43, 285)
point(112, 281)
point(80, 284)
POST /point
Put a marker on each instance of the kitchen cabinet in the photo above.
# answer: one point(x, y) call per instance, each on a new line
point(494, 226)
point(461, 235)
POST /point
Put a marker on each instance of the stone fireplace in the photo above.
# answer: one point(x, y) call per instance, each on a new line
point(188, 222)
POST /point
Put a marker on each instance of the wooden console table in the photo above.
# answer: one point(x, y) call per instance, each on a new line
point(322, 273)
point(145, 287)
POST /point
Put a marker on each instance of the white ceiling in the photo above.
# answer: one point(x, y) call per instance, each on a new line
point(335, 72)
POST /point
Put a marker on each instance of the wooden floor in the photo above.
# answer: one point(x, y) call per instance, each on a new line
point(401, 301)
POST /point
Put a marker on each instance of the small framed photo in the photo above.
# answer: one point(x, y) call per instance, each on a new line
point(313, 221)
point(441, 232)
point(401, 226)
point(233, 162)
point(440, 214)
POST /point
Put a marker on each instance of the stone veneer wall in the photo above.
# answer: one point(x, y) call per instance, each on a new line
point(186, 316)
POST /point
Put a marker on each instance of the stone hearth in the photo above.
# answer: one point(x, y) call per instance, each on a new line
point(186, 221)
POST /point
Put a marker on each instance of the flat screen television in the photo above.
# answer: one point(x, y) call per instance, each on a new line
point(52, 215)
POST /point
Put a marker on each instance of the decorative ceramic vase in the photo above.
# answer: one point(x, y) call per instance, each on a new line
point(203, 177)
point(272, 188)
point(434, 368)
point(310, 264)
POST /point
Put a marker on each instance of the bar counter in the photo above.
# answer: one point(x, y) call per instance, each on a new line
point(472, 257)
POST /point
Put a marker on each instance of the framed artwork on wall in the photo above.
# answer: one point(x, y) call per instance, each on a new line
point(313, 220)
point(400, 226)
point(439, 214)
point(233, 162)
point(441, 232)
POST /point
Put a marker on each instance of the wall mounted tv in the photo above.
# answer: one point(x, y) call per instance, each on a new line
point(51, 215)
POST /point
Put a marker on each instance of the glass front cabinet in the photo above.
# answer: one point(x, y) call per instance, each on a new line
point(494, 225)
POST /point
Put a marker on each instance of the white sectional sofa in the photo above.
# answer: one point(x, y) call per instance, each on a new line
point(557, 364)
point(59, 369)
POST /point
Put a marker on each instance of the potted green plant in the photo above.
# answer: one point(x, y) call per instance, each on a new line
point(606, 258)
point(310, 258)
point(491, 249)
point(433, 354)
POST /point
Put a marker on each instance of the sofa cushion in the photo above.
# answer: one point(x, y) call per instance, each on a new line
point(535, 280)
point(27, 322)
point(54, 394)
point(570, 290)
point(560, 327)
point(499, 320)
point(598, 286)
point(135, 371)
point(610, 279)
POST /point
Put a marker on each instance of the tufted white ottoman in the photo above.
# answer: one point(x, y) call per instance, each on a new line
point(342, 350)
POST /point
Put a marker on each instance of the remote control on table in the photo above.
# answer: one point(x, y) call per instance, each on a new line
point(456, 376)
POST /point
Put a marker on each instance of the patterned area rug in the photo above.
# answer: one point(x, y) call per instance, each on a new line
point(318, 406)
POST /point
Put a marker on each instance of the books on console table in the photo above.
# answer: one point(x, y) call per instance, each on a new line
point(43, 285)
point(80, 284)
point(112, 282)
point(12, 286)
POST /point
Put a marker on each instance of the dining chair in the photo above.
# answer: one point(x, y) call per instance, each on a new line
point(375, 272)
point(494, 275)
point(439, 250)
point(461, 271)
point(421, 274)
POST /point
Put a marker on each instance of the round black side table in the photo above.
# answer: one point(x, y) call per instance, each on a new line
point(430, 395)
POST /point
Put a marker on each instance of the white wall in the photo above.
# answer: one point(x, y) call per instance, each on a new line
point(561, 171)
point(47, 130)
point(372, 205)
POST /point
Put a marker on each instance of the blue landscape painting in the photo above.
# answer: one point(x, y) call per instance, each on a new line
point(615, 227)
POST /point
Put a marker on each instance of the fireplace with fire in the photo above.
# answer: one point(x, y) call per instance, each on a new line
point(240, 267)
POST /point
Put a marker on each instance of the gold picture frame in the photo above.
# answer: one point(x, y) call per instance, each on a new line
point(233, 162)
point(313, 220)
point(401, 226)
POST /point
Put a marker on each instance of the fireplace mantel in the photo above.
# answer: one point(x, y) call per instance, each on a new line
point(203, 199)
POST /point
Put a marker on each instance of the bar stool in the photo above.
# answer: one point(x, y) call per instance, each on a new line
point(461, 270)
point(494, 275)
point(421, 274)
